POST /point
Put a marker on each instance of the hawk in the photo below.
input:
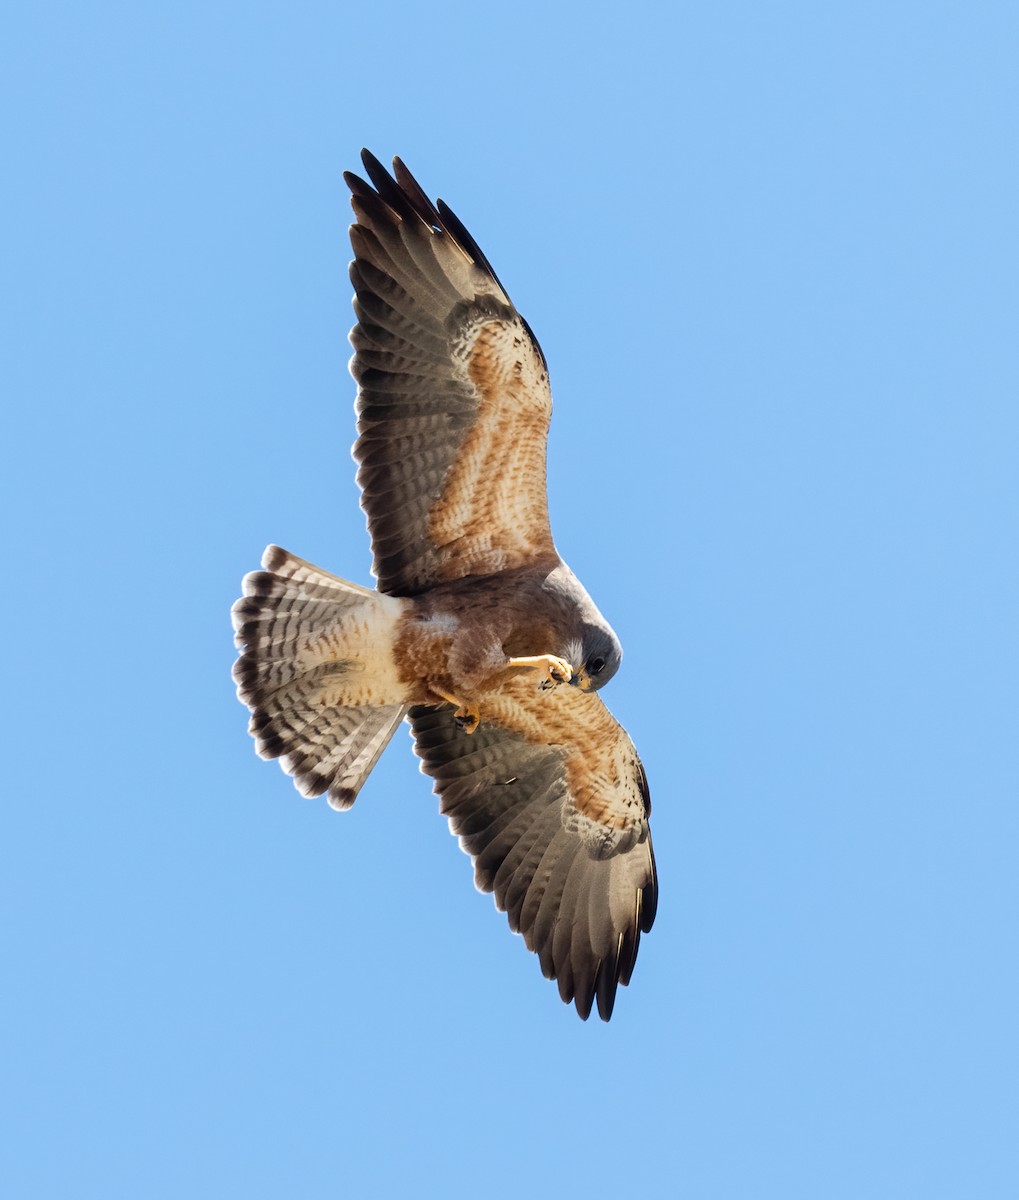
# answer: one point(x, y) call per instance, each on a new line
point(478, 633)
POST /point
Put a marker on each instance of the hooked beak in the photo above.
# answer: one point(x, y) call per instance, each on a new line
point(581, 679)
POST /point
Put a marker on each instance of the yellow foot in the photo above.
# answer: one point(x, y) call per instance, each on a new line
point(466, 716)
point(553, 670)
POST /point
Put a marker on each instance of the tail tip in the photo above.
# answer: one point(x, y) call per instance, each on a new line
point(274, 557)
point(341, 798)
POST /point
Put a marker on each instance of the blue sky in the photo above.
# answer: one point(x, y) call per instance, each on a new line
point(770, 252)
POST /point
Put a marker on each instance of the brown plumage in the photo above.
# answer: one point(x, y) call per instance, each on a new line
point(477, 624)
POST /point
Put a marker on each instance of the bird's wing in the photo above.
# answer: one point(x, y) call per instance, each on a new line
point(551, 802)
point(453, 399)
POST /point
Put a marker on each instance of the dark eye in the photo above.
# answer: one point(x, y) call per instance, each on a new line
point(596, 666)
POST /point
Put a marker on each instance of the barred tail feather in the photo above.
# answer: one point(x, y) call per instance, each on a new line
point(287, 626)
point(332, 750)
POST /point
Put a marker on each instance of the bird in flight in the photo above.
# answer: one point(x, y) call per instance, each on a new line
point(478, 633)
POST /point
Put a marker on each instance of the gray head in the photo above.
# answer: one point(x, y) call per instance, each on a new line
point(594, 651)
point(596, 656)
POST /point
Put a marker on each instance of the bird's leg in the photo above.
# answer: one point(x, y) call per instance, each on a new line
point(554, 669)
point(466, 716)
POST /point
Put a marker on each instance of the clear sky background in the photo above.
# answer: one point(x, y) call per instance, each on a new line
point(770, 251)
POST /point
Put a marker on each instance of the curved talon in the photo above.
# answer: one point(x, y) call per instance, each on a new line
point(557, 671)
point(467, 718)
point(554, 669)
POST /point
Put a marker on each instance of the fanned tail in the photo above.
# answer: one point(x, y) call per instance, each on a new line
point(306, 702)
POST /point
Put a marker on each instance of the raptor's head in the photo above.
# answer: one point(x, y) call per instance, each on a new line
point(595, 657)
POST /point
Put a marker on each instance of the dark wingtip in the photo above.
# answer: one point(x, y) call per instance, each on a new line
point(649, 895)
point(384, 183)
point(389, 189)
point(371, 163)
point(416, 194)
point(402, 193)
point(607, 980)
point(583, 1002)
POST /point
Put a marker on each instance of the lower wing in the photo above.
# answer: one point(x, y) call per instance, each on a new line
point(550, 800)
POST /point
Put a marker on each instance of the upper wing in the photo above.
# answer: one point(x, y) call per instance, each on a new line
point(550, 800)
point(453, 401)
